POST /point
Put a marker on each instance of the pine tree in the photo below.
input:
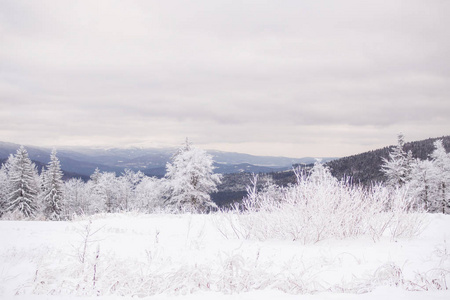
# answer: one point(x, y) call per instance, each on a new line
point(397, 168)
point(95, 192)
point(53, 188)
point(320, 173)
point(95, 177)
point(191, 180)
point(104, 191)
point(23, 188)
point(441, 163)
point(4, 187)
point(423, 184)
point(110, 191)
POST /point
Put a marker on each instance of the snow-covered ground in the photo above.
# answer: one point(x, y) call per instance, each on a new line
point(163, 256)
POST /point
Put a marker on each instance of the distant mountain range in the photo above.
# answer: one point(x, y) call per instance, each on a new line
point(81, 162)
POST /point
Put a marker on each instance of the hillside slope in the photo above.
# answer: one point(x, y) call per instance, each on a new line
point(365, 167)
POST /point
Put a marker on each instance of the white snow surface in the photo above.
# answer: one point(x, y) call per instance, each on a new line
point(185, 256)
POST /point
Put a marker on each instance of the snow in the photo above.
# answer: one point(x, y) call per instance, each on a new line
point(185, 256)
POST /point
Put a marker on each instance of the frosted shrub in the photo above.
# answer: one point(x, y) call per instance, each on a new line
point(318, 207)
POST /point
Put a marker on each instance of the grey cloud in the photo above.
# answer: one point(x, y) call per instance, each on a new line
point(243, 73)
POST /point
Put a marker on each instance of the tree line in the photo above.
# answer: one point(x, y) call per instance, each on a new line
point(24, 194)
point(365, 168)
point(427, 179)
point(186, 186)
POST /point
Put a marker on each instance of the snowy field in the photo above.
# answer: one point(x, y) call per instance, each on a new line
point(163, 256)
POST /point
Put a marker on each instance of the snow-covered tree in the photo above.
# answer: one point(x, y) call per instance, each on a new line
point(77, 198)
point(53, 188)
point(150, 194)
point(96, 196)
point(23, 189)
point(127, 184)
point(105, 191)
point(95, 177)
point(429, 180)
point(398, 167)
point(4, 188)
point(441, 163)
point(191, 180)
point(422, 183)
point(319, 174)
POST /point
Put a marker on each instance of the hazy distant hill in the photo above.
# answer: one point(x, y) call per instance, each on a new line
point(81, 162)
point(365, 167)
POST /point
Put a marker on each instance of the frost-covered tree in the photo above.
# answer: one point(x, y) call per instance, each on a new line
point(95, 177)
point(96, 192)
point(441, 163)
point(23, 185)
point(429, 180)
point(397, 168)
point(127, 184)
point(105, 191)
point(191, 180)
point(422, 183)
point(4, 188)
point(77, 198)
point(150, 194)
point(53, 188)
point(320, 174)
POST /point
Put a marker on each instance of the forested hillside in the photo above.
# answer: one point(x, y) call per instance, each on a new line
point(366, 167)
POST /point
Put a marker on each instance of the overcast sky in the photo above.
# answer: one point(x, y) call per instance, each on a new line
point(283, 78)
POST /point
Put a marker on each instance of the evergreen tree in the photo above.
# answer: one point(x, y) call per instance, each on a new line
point(4, 188)
point(95, 177)
point(95, 192)
point(104, 191)
point(320, 173)
point(423, 184)
point(441, 163)
point(53, 188)
point(191, 180)
point(397, 168)
point(108, 189)
point(23, 189)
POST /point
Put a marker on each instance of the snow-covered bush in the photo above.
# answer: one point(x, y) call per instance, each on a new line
point(320, 207)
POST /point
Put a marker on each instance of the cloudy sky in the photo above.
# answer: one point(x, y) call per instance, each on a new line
point(287, 78)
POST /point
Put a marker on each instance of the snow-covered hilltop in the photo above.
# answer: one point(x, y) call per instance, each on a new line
point(138, 236)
